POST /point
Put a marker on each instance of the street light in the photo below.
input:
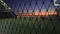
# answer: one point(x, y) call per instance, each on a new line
point(9, 8)
point(55, 3)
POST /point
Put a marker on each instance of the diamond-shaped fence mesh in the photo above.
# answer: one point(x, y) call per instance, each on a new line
point(35, 17)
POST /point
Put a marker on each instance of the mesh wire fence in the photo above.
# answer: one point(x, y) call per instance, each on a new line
point(32, 25)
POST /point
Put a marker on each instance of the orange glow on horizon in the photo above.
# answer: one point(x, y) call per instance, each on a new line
point(39, 14)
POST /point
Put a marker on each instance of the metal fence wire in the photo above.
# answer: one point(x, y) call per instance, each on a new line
point(28, 24)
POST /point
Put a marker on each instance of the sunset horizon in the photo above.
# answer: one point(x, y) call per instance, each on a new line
point(39, 14)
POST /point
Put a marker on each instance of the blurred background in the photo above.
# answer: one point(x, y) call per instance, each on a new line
point(29, 17)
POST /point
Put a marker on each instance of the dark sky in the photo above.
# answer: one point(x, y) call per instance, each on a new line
point(30, 5)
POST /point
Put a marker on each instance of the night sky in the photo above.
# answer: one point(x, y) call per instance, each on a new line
point(30, 5)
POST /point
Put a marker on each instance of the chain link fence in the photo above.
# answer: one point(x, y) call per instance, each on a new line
point(40, 23)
